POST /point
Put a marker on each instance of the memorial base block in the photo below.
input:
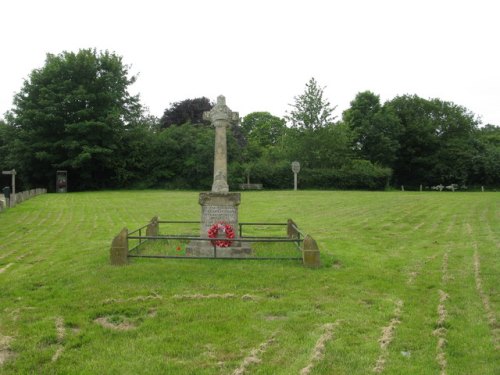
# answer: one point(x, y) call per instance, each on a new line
point(216, 208)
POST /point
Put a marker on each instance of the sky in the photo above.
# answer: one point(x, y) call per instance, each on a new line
point(260, 54)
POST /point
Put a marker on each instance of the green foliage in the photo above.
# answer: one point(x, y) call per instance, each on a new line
point(187, 153)
point(325, 147)
point(435, 141)
point(72, 114)
point(376, 127)
point(75, 113)
point(186, 111)
point(357, 174)
point(485, 168)
point(310, 110)
point(263, 129)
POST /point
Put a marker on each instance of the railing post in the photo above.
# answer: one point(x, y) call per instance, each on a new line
point(153, 227)
point(119, 249)
point(310, 253)
point(291, 229)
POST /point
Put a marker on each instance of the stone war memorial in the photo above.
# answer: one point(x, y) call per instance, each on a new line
point(220, 235)
point(219, 207)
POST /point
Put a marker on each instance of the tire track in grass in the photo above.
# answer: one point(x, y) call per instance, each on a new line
point(445, 277)
point(412, 275)
point(5, 352)
point(490, 314)
point(255, 356)
point(5, 255)
point(319, 349)
point(8, 265)
point(61, 334)
point(387, 337)
point(440, 332)
point(451, 225)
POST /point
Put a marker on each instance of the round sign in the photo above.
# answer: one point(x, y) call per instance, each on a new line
point(295, 167)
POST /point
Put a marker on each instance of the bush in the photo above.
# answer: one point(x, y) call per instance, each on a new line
point(358, 174)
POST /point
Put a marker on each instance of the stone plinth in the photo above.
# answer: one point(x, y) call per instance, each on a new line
point(218, 207)
point(119, 249)
point(310, 253)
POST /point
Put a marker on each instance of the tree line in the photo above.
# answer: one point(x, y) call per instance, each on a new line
point(76, 114)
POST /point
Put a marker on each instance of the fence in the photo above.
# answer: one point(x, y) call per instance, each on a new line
point(21, 197)
point(147, 242)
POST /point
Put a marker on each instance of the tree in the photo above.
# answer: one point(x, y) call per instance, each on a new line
point(186, 111)
point(72, 114)
point(435, 141)
point(263, 129)
point(376, 129)
point(485, 168)
point(310, 110)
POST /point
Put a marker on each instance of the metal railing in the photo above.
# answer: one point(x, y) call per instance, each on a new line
point(294, 236)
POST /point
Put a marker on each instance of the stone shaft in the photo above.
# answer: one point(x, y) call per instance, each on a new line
point(221, 118)
point(220, 158)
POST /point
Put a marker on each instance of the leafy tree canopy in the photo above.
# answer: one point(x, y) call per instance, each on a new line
point(72, 113)
point(263, 128)
point(376, 128)
point(186, 111)
point(310, 110)
point(436, 141)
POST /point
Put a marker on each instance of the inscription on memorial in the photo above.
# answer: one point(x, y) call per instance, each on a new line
point(214, 214)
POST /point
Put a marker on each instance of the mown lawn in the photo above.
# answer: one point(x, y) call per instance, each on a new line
point(409, 285)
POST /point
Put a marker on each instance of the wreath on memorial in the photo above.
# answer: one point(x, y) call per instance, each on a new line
point(225, 228)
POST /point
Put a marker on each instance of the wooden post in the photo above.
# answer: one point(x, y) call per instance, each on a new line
point(153, 227)
point(310, 253)
point(119, 249)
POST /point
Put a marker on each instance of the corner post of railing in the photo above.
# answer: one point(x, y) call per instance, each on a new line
point(310, 253)
point(119, 249)
point(291, 229)
point(153, 227)
point(241, 229)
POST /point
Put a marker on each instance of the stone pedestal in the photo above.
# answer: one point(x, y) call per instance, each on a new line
point(218, 207)
point(119, 249)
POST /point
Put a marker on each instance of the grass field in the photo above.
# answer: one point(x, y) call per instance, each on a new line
point(409, 285)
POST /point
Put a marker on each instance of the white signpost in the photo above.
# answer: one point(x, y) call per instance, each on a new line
point(295, 170)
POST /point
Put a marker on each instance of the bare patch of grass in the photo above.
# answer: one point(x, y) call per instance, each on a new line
point(205, 296)
point(319, 349)
point(3, 269)
point(5, 352)
point(254, 357)
point(490, 314)
point(61, 334)
point(440, 332)
point(387, 337)
point(412, 275)
point(120, 324)
point(150, 297)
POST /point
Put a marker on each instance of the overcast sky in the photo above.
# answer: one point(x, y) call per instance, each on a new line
point(261, 53)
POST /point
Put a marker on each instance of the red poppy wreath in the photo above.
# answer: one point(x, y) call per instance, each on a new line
point(221, 227)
